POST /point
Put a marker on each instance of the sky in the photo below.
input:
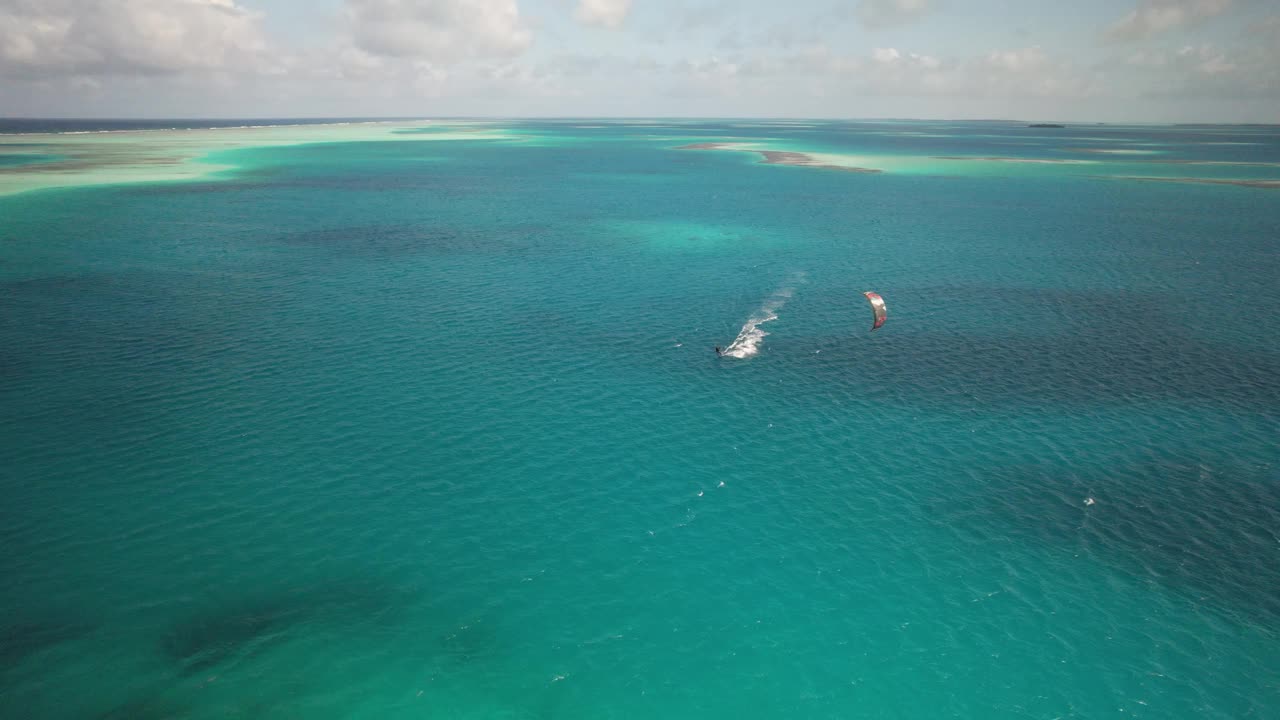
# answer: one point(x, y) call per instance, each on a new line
point(1085, 60)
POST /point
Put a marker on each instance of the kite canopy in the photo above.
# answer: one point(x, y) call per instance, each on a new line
point(877, 309)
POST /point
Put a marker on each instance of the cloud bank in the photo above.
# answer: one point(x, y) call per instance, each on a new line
point(440, 30)
point(1155, 17)
point(603, 13)
point(209, 58)
point(49, 38)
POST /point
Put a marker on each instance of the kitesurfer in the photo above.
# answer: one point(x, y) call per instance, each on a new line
point(719, 352)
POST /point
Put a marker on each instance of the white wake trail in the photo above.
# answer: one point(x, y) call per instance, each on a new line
point(751, 335)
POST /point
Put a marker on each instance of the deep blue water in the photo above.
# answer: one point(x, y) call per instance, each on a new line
point(434, 429)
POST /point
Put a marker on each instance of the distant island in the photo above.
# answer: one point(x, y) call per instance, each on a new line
point(1046, 125)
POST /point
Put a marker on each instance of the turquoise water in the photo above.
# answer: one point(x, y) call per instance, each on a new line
point(434, 429)
point(20, 158)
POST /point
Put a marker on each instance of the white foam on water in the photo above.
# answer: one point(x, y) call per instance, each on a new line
point(751, 335)
point(749, 338)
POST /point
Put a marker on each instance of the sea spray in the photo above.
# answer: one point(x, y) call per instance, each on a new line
point(751, 335)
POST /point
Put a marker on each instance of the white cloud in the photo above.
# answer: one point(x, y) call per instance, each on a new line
point(1019, 60)
point(892, 72)
point(1184, 61)
point(403, 57)
point(885, 55)
point(104, 37)
point(1154, 17)
point(892, 56)
point(1205, 59)
point(438, 30)
point(1230, 77)
point(885, 13)
point(713, 74)
point(604, 13)
point(1182, 66)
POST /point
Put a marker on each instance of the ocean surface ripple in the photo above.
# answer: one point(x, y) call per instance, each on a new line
point(435, 429)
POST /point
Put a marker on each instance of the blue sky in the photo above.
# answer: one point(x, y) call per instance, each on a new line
point(1119, 60)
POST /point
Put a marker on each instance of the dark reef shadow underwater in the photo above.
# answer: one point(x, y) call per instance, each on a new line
point(392, 429)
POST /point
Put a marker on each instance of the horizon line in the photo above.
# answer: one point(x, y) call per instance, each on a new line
point(227, 118)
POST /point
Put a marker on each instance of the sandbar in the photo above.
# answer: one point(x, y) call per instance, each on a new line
point(1033, 161)
point(1265, 184)
point(1229, 163)
point(1117, 151)
point(140, 156)
point(779, 157)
